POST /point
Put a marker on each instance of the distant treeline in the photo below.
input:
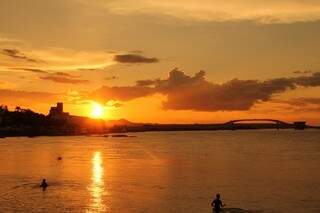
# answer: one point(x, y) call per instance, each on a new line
point(21, 118)
point(25, 122)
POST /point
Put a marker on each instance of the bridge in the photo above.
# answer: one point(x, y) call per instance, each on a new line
point(259, 120)
point(258, 124)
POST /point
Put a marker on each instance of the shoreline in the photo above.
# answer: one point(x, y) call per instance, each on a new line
point(123, 130)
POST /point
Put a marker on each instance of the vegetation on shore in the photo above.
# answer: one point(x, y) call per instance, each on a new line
point(25, 122)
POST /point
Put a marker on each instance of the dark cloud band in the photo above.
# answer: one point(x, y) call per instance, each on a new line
point(17, 54)
point(134, 58)
point(185, 92)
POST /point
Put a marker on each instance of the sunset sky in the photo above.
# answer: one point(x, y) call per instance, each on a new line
point(177, 61)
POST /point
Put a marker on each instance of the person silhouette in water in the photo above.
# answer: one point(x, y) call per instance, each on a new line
point(217, 204)
point(44, 184)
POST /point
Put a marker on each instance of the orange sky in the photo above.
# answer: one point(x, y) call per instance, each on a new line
point(163, 61)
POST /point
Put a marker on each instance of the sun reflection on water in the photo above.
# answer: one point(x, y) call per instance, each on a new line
point(97, 187)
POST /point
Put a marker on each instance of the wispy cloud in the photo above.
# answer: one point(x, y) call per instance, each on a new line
point(108, 78)
point(302, 104)
point(34, 70)
point(123, 93)
point(9, 42)
point(53, 59)
point(17, 54)
point(134, 58)
point(271, 11)
point(61, 77)
point(298, 72)
point(19, 96)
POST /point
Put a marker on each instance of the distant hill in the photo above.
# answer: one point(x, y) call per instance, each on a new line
point(120, 122)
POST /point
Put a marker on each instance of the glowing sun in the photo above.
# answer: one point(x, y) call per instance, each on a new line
point(97, 110)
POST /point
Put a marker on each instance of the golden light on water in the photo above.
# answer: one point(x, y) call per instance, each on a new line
point(97, 188)
point(97, 168)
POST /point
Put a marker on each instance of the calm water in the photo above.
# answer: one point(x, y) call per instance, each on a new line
point(264, 171)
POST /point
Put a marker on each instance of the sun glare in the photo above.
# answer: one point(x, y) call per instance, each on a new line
point(97, 110)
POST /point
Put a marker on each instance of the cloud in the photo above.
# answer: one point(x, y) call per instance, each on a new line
point(64, 74)
point(136, 51)
point(113, 104)
point(34, 70)
point(125, 93)
point(18, 96)
point(309, 104)
point(61, 77)
point(308, 81)
point(134, 58)
point(302, 72)
point(195, 93)
point(309, 100)
point(9, 42)
point(53, 59)
point(300, 102)
point(271, 11)
point(91, 69)
point(47, 60)
point(147, 82)
point(17, 54)
point(110, 78)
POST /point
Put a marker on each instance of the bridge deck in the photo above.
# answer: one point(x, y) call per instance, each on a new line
point(244, 120)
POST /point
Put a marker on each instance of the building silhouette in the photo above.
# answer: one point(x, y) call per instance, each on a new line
point(57, 111)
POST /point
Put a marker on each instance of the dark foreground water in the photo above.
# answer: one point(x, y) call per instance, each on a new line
point(260, 171)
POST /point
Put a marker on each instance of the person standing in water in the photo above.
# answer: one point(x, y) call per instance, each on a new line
point(217, 204)
point(44, 184)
